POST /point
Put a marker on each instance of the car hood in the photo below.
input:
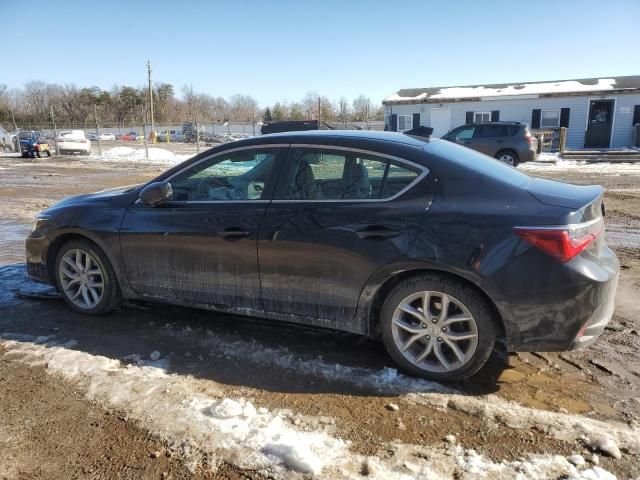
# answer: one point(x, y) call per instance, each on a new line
point(561, 194)
point(101, 196)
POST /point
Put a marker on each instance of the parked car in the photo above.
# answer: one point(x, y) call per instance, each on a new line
point(429, 246)
point(33, 144)
point(130, 137)
point(107, 137)
point(509, 142)
point(6, 141)
point(73, 141)
point(192, 134)
point(92, 136)
point(172, 135)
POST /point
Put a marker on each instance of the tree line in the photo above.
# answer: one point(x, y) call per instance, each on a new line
point(37, 102)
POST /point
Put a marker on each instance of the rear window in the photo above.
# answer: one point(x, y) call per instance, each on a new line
point(481, 163)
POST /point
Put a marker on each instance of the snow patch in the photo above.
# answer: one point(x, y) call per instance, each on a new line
point(515, 90)
point(129, 154)
point(551, 163)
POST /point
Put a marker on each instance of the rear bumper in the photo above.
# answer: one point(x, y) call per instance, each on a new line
point(527, 155)
point(556, 306)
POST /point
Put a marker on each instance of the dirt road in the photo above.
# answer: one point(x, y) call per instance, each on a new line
point(336, 396)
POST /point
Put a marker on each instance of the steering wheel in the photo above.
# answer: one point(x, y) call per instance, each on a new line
point(202, 189)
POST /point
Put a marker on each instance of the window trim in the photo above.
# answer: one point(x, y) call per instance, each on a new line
point(557, 110)
point(410, 116)
point(481, 113)
point(424, 171)
point(209, 157)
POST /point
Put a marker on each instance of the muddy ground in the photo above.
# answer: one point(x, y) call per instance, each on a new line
point(48, 429)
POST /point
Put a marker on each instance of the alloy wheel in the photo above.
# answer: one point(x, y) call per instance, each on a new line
point(506, 158)
point(434, 331)
point(81, 278)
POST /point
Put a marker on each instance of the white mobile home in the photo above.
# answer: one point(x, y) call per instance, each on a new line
point(598, 112)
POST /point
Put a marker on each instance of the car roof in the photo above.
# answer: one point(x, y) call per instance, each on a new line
point(328, 136)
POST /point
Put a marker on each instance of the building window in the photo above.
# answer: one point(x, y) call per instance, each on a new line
point(481, 117)
point(405, 122)
point(550, 119)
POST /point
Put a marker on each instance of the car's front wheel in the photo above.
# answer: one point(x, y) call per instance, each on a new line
point(86, 279)
point(437, 328)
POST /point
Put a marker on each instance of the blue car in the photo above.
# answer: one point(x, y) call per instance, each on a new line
point(33, 144)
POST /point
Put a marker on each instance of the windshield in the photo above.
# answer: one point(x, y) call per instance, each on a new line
point(24, 135)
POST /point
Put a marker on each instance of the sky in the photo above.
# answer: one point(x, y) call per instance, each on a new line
point(279, 50)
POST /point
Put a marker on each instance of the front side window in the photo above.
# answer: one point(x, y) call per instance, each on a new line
point(481, 117)
point(550, 119)
point(465, 133)
point(339, 175)
point(405, 122)
point(240, 175)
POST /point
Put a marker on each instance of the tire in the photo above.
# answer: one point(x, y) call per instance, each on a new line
point(106, 298)
point(428, 338)
point(38, 154)
point(509, 157)
point(48, 153)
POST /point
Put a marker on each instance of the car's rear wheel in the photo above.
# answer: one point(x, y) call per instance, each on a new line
point(437, 328)
point(48, 153)
point(509, 157)
point(86, 279)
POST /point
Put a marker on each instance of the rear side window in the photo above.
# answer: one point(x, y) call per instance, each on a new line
point(482, 164)
point(340, 175)
point(484, 131)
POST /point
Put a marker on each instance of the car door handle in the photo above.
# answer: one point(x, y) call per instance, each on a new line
point(498, 141)
point(234, 232)
point(377, 232)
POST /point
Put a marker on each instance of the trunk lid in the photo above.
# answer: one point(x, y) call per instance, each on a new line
point(566, 195)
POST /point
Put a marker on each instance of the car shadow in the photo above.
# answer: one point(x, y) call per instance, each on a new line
point(228, 349)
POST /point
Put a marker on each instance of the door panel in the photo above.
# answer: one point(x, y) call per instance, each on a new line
point(600, 123)
point(196, 253)
point(317, 250)
point(316, 258)
point(202, 246)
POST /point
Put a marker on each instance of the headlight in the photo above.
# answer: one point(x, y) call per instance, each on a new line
point(39, 222)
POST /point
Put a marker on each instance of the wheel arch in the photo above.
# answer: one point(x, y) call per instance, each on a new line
point(56, 244)
point(375, 304)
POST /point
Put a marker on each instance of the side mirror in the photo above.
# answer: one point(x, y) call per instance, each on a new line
point(156, 193)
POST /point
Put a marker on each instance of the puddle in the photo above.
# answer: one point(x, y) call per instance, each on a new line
point(12, 235)
point(622, 235)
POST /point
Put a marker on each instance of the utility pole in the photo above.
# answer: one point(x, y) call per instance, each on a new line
point(144, 132)
point(13, 118)
point(95, 115)
point(153, 127)
point(319, 124)
point(55, 130)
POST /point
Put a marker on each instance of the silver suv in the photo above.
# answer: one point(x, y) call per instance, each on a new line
point(509, 142)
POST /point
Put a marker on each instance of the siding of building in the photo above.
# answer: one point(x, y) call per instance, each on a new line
point(520, 110)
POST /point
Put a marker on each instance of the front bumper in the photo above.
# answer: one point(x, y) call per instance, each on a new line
point(36, 249)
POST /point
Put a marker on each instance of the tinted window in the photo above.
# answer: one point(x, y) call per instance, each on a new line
point(479, 162)
point(490, 131)
point(340, 175)
point(240, 175)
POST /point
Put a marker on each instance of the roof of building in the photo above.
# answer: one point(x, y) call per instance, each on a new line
point(506, 91)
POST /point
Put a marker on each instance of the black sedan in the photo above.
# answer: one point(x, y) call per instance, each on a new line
point(434, 248)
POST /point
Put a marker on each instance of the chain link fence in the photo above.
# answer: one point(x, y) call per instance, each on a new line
point(180, 137)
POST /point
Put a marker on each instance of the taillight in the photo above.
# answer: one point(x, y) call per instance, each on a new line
point(563, 243)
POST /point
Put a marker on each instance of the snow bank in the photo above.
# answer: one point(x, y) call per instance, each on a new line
point(196, 417)
point(129, 154)
point(550, 164)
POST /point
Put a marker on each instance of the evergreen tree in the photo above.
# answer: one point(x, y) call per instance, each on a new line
point(267, 117)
